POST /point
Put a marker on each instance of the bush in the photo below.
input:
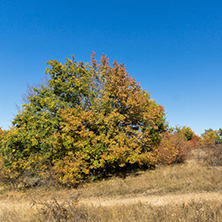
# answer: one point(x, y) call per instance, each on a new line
point(68, 210)
point(210, 138)
point(172, 149)
point(213, 155)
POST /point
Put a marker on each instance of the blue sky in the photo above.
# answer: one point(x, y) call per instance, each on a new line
point(173, 48)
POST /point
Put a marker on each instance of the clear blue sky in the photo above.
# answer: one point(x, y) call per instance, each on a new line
point(173, 48)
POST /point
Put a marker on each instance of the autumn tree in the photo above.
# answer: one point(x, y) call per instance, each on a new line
point(188, 134)
point(211, 137)
point(2, 133)
point(87, 120)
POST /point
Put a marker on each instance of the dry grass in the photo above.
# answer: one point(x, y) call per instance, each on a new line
point(186, 211)
point(188, 177)
point(191, 211)
point(182, 180)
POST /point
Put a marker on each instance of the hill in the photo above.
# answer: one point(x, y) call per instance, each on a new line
point(185, 192)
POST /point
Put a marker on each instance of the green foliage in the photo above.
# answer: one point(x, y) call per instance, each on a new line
point(220, 131)
point(86, 121)
point(187, 132)
point(3, 134)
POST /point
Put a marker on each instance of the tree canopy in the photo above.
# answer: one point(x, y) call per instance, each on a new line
point(87, 120)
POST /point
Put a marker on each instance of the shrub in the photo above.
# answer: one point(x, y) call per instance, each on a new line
point(212, 155)
point(68, 210)
point(172, 149)
point(210, 138)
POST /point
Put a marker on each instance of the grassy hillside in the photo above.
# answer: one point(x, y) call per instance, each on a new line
point(186, 192)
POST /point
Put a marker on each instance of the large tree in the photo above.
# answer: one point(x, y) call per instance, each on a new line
point(87, 119)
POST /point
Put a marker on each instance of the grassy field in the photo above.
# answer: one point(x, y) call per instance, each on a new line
point(186, 192)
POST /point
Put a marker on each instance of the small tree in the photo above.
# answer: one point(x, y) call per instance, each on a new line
point(211, 137)
point(173, 149)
